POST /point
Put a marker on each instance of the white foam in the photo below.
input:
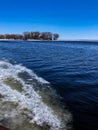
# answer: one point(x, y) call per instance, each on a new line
point(29, 98)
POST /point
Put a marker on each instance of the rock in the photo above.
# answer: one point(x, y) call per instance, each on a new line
point(3, 128)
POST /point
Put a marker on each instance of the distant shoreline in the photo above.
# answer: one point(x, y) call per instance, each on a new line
point(33, 40)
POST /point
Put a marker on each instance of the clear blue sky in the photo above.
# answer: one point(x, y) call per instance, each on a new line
point(72, 19)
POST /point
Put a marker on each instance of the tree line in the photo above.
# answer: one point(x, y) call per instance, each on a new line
point(31, 35)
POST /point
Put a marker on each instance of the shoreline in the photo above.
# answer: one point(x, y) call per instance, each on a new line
point(34, 40)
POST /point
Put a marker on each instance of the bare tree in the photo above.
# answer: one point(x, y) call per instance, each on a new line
point(31, 35)
point(55, 36)
point(2, 36)
point(26, 35)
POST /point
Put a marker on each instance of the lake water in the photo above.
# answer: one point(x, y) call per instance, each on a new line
point(69, 68)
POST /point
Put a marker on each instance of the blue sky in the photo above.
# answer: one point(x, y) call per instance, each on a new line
point(72, 19)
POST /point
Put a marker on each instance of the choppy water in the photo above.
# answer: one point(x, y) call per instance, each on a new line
point(69, 68)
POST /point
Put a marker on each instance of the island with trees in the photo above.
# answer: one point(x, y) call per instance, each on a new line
point(31, 36)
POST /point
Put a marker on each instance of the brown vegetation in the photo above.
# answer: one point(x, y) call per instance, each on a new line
point(31, 35)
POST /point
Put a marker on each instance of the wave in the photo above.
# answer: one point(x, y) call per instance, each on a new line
point(28, 102)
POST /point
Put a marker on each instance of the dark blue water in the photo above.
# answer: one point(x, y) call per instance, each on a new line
point(71, 68)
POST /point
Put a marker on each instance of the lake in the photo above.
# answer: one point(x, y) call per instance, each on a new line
point(71, 69)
